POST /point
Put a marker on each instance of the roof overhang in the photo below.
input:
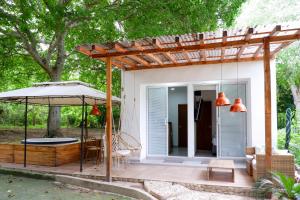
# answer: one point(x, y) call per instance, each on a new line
point(223, 46)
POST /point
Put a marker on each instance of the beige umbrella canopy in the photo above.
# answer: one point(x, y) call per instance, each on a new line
point(57, 93)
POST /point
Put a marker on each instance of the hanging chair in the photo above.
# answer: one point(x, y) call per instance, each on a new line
point(124, 144)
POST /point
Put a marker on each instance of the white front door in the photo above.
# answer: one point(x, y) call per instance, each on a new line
point(157, 121)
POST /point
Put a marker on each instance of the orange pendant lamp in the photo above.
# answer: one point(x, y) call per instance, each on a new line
point(95, 110)
point(238, 105)
point(222, 100)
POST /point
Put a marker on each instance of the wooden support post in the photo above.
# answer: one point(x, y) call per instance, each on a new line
point(82, 130)
point(108, 120)
point(25, 131)
point(268, 115)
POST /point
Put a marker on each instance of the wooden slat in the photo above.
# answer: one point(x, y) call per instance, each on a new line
point(102, 50)
point(224, 40)
point(282, 46)
point(258, 50)
point(275, 31)
point(196, 63)
point(184, 52)
point(202, 52)
point(136, 45)
point(247, 38)
point(7, 153)
point(109, 119)
point(206, 46)
point(157, 45)
point(268, 108)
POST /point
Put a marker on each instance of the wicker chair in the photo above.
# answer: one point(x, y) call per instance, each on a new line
point(283, 163)
point(250, 155)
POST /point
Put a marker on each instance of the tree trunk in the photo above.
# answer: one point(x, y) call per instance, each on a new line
point(54, 122)
point(296, 97)
point(54, 117)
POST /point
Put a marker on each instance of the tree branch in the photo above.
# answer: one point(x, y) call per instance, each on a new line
point(32, 51)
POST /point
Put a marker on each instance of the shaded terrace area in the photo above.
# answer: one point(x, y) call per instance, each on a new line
point(191, 176)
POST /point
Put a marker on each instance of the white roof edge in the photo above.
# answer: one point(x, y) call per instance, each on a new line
point(63, 83)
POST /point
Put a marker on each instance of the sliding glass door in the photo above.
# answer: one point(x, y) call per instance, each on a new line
point(157, 120)
point(232, 126)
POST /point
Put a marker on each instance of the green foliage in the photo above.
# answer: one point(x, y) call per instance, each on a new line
point(38, 40)
point(280, 185)
point(294, 146)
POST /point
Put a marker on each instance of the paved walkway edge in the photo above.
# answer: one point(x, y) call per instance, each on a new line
point(232, 190)
point(82, 182)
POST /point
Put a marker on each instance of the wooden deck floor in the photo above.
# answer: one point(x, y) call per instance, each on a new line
point(140, 172)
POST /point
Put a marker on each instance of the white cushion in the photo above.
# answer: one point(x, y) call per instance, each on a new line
point(123, 152)
point(249, 157)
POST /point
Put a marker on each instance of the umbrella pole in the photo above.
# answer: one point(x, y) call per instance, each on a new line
point(81, 137)
point(25, 135)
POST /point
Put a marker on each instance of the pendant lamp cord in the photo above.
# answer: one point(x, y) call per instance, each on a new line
point(221, 77)
point(237, 78)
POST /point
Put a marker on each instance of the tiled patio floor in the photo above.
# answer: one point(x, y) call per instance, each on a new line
point(171, 173)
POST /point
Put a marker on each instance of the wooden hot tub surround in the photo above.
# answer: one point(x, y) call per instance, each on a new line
point(43, 155)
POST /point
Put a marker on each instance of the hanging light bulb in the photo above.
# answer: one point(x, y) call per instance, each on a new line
point(95, 110)
point(222, 100)
point(238, 105)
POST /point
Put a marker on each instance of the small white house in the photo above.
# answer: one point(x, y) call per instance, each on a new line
point(157, 100)
point(170, 85)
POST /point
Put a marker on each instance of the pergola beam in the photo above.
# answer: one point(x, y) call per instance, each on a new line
point(88, 53)
point(102, 50)
point(216, 45)
point(157, 45)
point(223, 48)
point(194, 63)
point(202, 52)
point(283, 45)
point(247, 38)
point(185, 54)
point(136, 45)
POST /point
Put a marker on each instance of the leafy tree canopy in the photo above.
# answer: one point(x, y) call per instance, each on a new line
point(256, 12)
point(38, 37)
point(47, 31)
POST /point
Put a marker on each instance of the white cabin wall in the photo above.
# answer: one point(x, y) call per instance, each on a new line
point(135, 83)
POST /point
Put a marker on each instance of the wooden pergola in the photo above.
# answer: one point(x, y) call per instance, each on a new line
point(241, 45)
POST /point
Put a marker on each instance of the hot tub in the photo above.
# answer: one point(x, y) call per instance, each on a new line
point(44, 151)
point(49, 141)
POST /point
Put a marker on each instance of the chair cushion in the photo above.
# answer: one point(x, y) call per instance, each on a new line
point(123, 152)
point(249, 157)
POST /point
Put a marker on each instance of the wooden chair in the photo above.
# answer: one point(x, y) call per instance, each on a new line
point(94, 145)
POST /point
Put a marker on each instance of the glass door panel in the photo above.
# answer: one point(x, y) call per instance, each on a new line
point(233, 126)
point(157, 120)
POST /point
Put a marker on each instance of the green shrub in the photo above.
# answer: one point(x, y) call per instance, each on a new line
point(294, 147)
